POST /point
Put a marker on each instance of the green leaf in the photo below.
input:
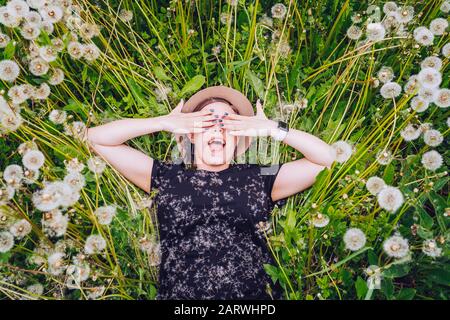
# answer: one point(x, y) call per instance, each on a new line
point(160, 73)
point(397, 270)
point(272, 271)
point(361, 288)
point(136, 90)
point(440, 276)
point(426, 220)
point(387, 288)
point(193, 85)
point(389, 173)
point(406, 294)
point(255, 82)
point(9, 50)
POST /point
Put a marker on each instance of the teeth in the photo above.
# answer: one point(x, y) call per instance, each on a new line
point(217, 141)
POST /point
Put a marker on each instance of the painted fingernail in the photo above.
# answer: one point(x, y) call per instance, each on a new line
point(220, 120)
point(211, 110)
point(216, 116)
point(225, 113)
point(221, 124)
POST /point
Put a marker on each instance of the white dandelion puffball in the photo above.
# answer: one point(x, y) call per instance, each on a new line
point(423, 36)
point(56, 77)
point(105, 214)
point(432, 160)
point(13, 174)
point(389, 7)
point(51, 13)
point(410, 132)
point(54, 194)
point(354, 239)
point(433, 138)
point(8, 18)
point(54, 223)
point(396, 246)
point(47, 26)
point(17, 94)
point(428, 94)
point(4, 40)
point(33, 18)
point(404, 14)
point(442, 99)
point(412, 84)
point(6, 241)
point(36, 289)
point(438, 26)
point(75, 49)
point(10, 122)
point(48, 53)
point(445, 6)
point(33, 159)
point(446, 50)
point(57, 116)
point(384, 157)
point(342, 150)
point(375, 185)
point(320, 220)
point(431, 62)
point(9, 70)
point(430, 248)
point(38, 66)
point(390, 90)
point(56, 264)
point(42, 92)
point(278, 11)
point(385, 74)
point(75, 180)
point(448, 122)
point(90, 52)
point(96, 164)
point(418, 104)
point(375, 31)
point(18, 8)
point(125, 15)
point(20, 228)
point(354, 32)
point(30, 31)
point(390, 198)
point(94, 244)
point(429, 78)
point(74, 165)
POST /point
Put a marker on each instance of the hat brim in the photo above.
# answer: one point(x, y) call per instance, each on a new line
point(235, 97)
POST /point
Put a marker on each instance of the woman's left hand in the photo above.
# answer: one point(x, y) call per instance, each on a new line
point(254, 126)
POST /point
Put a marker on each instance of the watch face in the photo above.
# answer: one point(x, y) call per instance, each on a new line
point(283, 125)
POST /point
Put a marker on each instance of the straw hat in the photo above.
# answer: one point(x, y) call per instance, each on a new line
point(235, 97)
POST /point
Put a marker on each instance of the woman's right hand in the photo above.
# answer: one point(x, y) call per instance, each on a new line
point(179, 122)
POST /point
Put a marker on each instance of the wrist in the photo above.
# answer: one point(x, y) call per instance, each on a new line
point(158, 123)
point(278, 130)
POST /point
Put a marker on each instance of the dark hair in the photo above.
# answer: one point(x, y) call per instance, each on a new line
point(199, 107)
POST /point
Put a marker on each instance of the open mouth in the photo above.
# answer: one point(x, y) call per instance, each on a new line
point(216, 144)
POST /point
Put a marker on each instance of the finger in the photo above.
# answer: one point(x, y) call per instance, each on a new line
point(179, 106)
point(232, 127)
point(237, 133)
point(235, 116)
point(229, 121)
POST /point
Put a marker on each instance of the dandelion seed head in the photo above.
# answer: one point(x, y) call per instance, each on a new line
point(432, 160)
point(9, 70)
point(390, 90)
point(38, 66)
point(433, 138)
point(279, 11)
point(429, 78)
point(442, 99)
point(438, 26)
point(94, 244)
point(6, 241)
point(375, 184)
point(105, 214)
point(343, 151)
point(430, 248)
point(390, 198)
point(126, 15)
point(375, 31)
point(96, 164)
point(354, 239)
point(354, 32)
point(410, 132)
point(423, 36)
point(33, 159)
point(56, 263)
point(385, 74)
point(320, 220)
point(20, 228)
point(396, 246)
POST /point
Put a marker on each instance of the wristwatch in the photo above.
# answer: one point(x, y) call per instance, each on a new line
point(282, 131)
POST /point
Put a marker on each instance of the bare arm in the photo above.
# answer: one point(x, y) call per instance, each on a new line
point(299, 175)
point(107, 141)
point(293, 176)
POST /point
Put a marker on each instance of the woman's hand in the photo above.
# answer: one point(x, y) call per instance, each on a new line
point(179, 122)
point(258, 125)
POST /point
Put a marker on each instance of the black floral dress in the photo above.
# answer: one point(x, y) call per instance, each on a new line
point(211, 227)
